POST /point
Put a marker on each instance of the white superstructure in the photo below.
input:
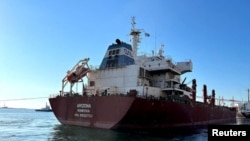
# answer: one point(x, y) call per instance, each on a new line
point(123, 70)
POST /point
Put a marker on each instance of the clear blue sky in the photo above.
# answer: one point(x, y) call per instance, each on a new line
point(41, 39)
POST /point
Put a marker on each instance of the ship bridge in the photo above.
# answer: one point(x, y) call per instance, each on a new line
point(118, 55)
point(165, 65)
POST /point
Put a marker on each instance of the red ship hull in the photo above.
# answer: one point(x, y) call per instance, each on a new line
point(125, 112)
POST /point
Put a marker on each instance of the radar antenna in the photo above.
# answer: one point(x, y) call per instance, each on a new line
point(135, 33)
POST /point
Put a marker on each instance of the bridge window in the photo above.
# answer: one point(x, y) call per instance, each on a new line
point(147, 73)
point(110, 53)
point(92, 83)
point(114, 52)
point(117, 51)
point(141, 73)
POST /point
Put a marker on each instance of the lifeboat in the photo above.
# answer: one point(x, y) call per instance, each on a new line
point(76, 75)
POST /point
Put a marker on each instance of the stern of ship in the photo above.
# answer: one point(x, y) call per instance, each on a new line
point(91, 111)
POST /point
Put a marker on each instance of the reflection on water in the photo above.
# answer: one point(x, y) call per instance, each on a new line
point(243, 121)
point(29, 125)
point(74, 133)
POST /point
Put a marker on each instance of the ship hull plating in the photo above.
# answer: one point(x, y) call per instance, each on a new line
point(124, 112)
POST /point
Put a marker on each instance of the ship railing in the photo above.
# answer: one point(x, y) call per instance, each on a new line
point(64, 94)
point(53, 95)
point(145, 54)
point(219, 103)
point(162, 66)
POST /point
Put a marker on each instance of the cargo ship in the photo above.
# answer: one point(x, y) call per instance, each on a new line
point(132, 92)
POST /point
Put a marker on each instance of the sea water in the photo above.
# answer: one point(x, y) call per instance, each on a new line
point(29, 125)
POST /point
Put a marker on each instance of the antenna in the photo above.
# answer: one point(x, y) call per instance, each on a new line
point(161, 50)
point(248, 94)
point(133, 22)
point(135, 33)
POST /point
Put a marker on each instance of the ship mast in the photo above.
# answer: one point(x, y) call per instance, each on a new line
point(248, 95)
point(135, 33)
